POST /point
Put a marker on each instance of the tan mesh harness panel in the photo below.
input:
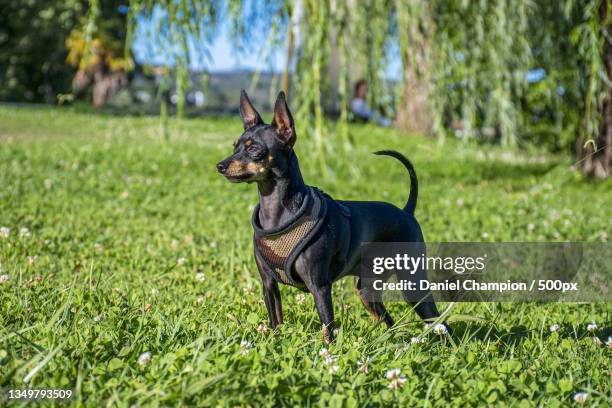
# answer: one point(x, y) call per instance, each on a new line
point(278, 248)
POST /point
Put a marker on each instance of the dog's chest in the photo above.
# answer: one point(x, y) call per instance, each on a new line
point(279, 247)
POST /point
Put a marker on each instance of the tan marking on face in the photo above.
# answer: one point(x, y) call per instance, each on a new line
point(255, 168)
point(235, 167)
point(270, 158)
point(248, 143)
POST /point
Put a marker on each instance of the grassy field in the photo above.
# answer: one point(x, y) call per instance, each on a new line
point(121, 243)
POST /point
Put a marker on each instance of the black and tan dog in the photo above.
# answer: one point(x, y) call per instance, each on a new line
point(303, 237)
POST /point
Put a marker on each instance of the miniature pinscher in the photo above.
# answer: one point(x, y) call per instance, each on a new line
point(302, 236)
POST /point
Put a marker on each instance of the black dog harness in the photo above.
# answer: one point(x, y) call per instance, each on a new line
point(279, 247)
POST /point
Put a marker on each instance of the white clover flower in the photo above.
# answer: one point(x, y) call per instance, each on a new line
point(98, 318)
point(180, 261)
point(395, 378)
point(329, 360)
point(248, 290)
point(460, 202)
point(300, 298)
point(554, 214)
point(581, 397)
point(3, 278)
point(245, 347)
point(98, 247)
point(262, 328)
point(32, 259)
point(440, 329)
point(592, 326)
point(5, 232)
point(333, 368)
point(144, 358)
point(485, 235)
point(200, 299)
point(174, 244)
point(530, 227)
point(24, 233)
point(200, 277)
point(393, 373)
point(364, 365)
point(154, 292)
point(417, 340)
point(554, 328)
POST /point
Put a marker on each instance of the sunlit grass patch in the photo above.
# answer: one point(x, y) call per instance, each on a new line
point(127, 273)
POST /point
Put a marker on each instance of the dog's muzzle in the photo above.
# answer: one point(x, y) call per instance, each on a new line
point(222, 166)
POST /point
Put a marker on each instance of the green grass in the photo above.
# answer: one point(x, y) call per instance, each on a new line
point(111, 208)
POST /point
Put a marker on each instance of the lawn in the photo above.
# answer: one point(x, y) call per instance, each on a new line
point(122, 242)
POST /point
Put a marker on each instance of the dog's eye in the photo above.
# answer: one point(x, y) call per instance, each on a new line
point(255, 151)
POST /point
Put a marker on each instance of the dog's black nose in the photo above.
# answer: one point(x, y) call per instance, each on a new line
point(221, 167)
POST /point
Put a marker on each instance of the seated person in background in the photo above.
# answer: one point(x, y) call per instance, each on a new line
point(361, 109)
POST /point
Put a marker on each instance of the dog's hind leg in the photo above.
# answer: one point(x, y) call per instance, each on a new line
point(422, 301)
point(376, 309)
point(425, 308)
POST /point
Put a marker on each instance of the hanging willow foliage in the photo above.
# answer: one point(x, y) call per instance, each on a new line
point(481, 59)
point(414, 32)
point(371, 28)
point(466, 62)
point(315, 49)
point(178, 24)
point(482, 53)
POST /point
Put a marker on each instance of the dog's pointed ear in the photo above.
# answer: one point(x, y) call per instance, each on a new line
point(283, 121)
point(249, 115)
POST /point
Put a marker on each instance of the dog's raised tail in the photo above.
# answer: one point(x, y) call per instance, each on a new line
point(414, 184)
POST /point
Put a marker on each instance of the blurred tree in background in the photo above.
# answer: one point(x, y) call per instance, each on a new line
point(32, 48)
point(48, 46)
point(518, 73)
point(97, 48)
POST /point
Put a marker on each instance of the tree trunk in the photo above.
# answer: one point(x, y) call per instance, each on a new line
point(105, 86)
point(414, 111)
point(596, 161)
point(105, 82)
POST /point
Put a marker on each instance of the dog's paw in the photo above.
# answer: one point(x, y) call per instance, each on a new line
point(328, 333)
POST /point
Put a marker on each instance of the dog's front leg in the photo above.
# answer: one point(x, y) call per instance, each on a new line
point(323, 300)
point(313, 267)
point(272, 296)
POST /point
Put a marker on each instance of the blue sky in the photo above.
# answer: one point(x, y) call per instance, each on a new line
point(221, 53)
